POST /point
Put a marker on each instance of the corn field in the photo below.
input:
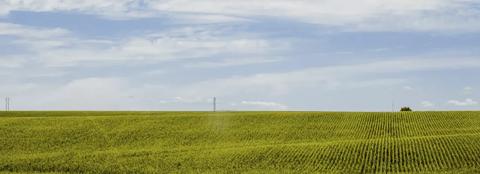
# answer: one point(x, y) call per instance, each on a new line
point(236, 142)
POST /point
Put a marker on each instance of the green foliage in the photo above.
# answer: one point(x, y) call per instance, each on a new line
point(236, 142)
point(405, 109)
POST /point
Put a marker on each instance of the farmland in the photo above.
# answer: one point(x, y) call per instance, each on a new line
point(226, 142)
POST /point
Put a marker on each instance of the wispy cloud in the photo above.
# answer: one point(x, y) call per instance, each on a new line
point(407, 88)
point(427, 104)
point(352, 76)
point(58, 47)
point(468, 90)
point(373, 15)
point(466, 102)
point(238, 61)
point(115, 92)
point(265, 105)
point(178, 53)
point(11, 62)
point(27, 32)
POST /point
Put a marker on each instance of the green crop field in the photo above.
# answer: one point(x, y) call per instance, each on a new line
point(237, 142)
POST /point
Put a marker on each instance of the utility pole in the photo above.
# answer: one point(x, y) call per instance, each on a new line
point(7, 104)
point(214, 104)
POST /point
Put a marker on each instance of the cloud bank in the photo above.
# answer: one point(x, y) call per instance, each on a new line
point(262, 54)
point(368, 15)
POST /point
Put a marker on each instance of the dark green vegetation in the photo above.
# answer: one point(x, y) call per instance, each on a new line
point(405, 109)
point(226, 142)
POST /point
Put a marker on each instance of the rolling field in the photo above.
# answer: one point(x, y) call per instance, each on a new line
point(234, 142)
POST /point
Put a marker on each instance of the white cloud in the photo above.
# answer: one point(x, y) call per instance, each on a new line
point(467, 102)
point(468, 90)
point(320, 11)
point(234, 62)
point(115, 93)
point(58, 47)
point(162, 49)
point(95, 93)
point(11, 62)
point(189, 100)
point(114, 8)
point(22, 31)
point(207, 46)
point(86, 93)
point(189, 46)
point(267, 105)
point(368, 15)
point(322, 78)
point(89, 90)
point(407, 88)
point(36, 40)
point(428, 104)
point(187, 18)
point(355, 15)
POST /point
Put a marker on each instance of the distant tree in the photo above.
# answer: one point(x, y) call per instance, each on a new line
point(406, 109)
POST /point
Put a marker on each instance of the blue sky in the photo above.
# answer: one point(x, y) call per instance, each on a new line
point(325, 55)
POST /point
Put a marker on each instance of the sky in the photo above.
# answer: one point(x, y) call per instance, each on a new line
point(312, 55)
